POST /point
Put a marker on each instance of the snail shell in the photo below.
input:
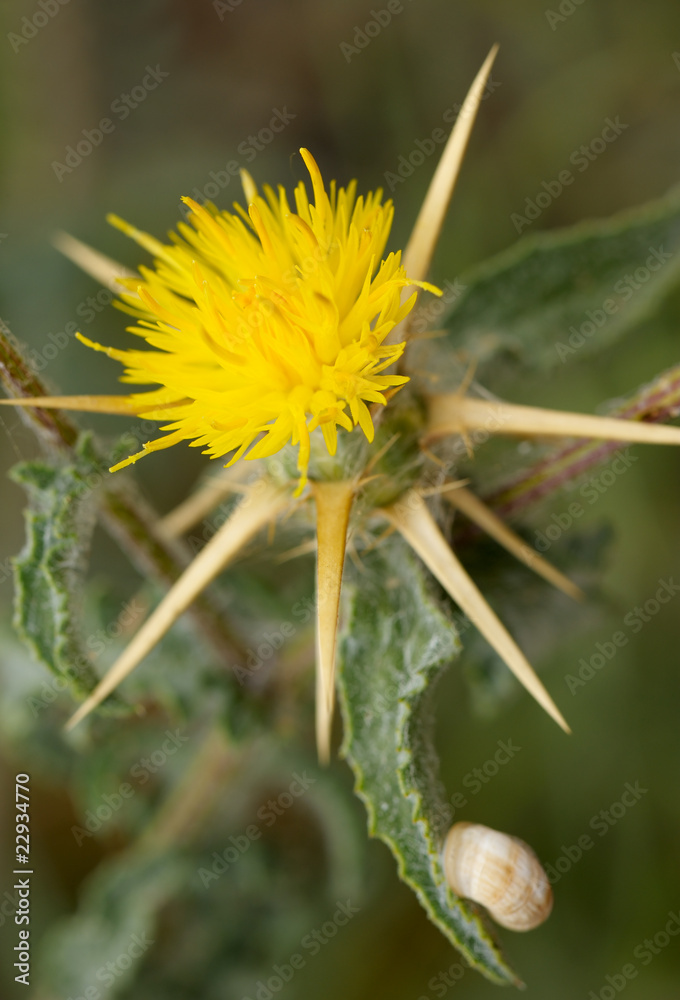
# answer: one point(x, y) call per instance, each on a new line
point(500, 872)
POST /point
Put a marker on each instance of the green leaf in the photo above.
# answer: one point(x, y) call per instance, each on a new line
point(49, 571)
point(114, 930)
point(528, 301)
point(396, 645)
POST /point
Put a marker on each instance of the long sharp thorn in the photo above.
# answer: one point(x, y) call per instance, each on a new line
point(303, 549)
point(88, 404)
point(92, 262)
point(455, 414)
point(204, 500)
point(484, 517)
point(423, 239)
point(428, 225)
point(264, 502)
point(413, 520)
point(333, 505)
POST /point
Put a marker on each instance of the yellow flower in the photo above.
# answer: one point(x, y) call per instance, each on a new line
point(266, 324)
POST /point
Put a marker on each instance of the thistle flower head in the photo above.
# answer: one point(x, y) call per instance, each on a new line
point(267, 323)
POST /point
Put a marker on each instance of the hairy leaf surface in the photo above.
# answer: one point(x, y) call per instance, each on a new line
point(397, 643)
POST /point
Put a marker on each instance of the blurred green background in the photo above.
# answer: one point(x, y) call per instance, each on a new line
point(229, 68)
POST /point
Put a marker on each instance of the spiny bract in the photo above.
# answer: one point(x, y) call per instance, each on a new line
point(266, 324)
